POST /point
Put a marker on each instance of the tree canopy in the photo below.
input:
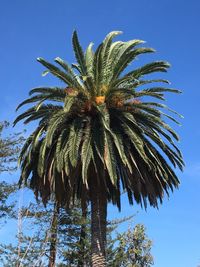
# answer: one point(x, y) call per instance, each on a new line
point(101, 124)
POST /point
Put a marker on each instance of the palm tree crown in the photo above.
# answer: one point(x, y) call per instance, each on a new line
point(101, 124)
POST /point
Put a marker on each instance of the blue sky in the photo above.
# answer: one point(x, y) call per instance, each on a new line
point(43, 28)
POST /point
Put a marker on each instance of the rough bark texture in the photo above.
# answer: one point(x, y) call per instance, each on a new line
point(98, 226)
point(53, 238)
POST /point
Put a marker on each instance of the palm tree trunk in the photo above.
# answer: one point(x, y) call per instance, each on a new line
point(53, 237)
point(98, 226)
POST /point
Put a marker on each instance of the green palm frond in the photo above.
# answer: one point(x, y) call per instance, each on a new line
point(68, 69)
point(89, 59)
point(126, 59)
point(45, 110)
point(86, 154)
point(74, 141)
point(63, 76)
point(98, 69)
point(156, 66)
point(79, 54)
point(106, 53)
point(109, 158)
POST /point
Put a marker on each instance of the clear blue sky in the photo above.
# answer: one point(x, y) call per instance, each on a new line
point(43, 28)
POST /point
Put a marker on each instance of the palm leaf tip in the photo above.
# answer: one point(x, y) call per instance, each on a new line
point(18, 107)
point(39, 59)
point(74, 33)
point(57, 59)
point(111, 35)
point(166, 64)
point(21, 104)
point(44, 73)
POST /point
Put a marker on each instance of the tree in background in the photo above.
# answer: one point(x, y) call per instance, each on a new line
point(99, 133)
point(10, 145)
point(31, 245)
point(6, 209)
point(134, 248)
point(47, 234)
point(68, 247)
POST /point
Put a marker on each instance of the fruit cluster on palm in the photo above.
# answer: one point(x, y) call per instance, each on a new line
point(99, 134)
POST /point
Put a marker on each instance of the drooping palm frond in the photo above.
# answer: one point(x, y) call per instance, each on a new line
point(105, 129)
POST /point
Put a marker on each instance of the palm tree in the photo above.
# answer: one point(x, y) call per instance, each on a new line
point(99, 134)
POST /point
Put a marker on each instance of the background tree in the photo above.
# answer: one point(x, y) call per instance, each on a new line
point(6, 207)
point(37, 238)
point(10, 145)
point(134, 248)
point(37, 241)
point(100, 131)
point(33, 246)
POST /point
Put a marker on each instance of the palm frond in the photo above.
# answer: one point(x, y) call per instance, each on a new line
point(86, 154)
point(79, 54)
point(89, 58)
point(63, 76)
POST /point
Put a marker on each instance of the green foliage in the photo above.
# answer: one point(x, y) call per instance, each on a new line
point(6, 206)
point(34, 239)
point(33, 242)
point(134, 249)
point(10, 146)
point(104, 126)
